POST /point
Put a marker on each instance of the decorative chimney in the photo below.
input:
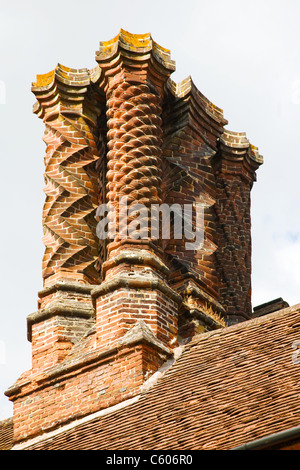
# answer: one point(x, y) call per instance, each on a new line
point(135, 72)
point(70, 109)
point(125, 143)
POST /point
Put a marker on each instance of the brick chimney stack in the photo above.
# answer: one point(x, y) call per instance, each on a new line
point(114, 309)
point(234, 165)
point(135, 71)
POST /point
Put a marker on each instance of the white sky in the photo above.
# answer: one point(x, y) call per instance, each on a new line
point(243, 56)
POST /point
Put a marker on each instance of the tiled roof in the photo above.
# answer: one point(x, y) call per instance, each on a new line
point(6, 434)
point(229, 387)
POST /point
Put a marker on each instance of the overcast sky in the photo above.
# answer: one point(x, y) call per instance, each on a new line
point(243, 56)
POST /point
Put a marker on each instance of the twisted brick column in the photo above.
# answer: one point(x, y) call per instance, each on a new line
point(71, 198)
point(69, 104)
point(135, 70)
point(134, 157)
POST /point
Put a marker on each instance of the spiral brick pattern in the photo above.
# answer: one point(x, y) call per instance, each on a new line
point(134, 149)
point(71, 198)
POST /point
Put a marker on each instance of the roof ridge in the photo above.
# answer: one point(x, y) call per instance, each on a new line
point(245, 324)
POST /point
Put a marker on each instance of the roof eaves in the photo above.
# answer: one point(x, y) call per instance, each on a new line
point(272, 440)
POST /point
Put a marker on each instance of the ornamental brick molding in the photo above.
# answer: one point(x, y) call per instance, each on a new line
point(113, 311)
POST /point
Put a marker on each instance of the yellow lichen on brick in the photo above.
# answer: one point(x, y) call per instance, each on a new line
point(44, 79)
point(108, 45)
point(136, 40)
point(64, 71)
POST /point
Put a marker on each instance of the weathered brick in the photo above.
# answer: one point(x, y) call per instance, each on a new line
point(111, 312)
